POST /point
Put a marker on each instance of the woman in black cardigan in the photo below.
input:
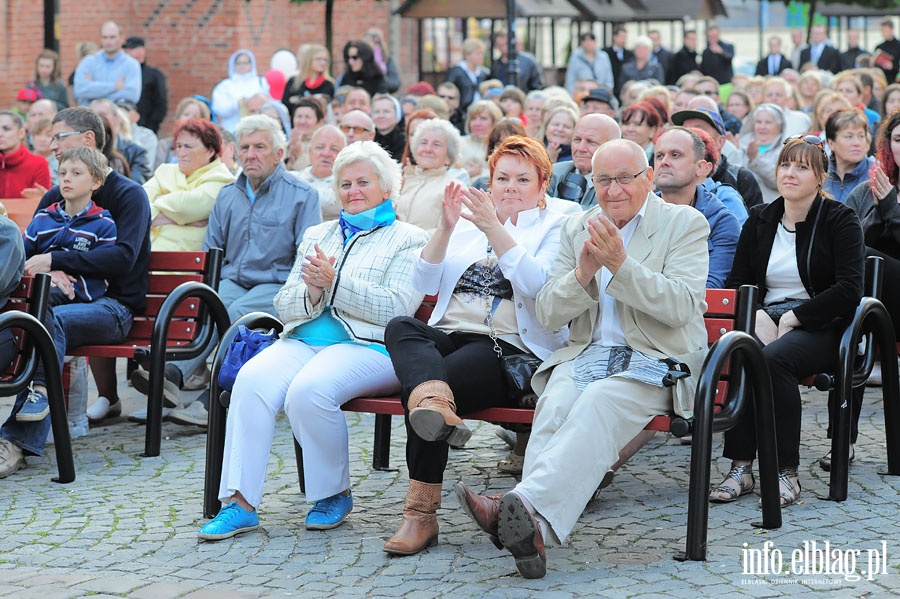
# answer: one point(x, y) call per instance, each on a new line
point(805, 253)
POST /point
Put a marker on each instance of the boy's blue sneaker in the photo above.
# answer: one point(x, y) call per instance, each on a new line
point(329, 512)
point(36, 407)
point(230, 521)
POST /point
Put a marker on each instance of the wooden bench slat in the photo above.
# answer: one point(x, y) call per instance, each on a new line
point(163, 283)
point(179, 330)
point(187, 309)
point(178, 261)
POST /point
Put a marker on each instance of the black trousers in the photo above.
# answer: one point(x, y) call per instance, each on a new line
point(465, 361)
point(794, 356)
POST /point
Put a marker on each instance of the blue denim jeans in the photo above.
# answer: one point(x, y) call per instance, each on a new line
point(103, 321)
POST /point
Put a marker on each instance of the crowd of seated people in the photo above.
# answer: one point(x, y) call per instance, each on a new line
point(554, 221)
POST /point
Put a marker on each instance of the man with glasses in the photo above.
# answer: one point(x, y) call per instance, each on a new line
point(109, 73)
point(629, 281)
point(449, 93)
point(571, 179)
point(106, 320)
point(357, 126)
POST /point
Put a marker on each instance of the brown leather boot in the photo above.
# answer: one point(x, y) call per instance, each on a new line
point(432, 414)
point(419, 528)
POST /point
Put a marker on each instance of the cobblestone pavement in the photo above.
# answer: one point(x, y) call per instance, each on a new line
point(127, 527)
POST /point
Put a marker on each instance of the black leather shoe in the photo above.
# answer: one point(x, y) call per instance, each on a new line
point(825, 460)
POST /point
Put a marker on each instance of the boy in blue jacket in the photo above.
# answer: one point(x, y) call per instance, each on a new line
point(75, 223)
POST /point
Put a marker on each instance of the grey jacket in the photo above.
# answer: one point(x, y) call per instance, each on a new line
point(261, 238)
point(12, 258)
point(580, 67)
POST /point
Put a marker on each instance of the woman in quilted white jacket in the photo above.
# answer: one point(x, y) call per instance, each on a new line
point(351, 277)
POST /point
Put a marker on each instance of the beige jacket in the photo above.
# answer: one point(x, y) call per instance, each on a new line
point(419, 202)
point(659, 292)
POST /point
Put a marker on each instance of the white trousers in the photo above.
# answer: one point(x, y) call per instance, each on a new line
point(577, 436)
point(311, 384)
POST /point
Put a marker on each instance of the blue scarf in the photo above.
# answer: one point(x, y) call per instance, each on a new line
point(381, 215)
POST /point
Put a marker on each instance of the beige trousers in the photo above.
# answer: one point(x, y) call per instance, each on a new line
point(576, 438)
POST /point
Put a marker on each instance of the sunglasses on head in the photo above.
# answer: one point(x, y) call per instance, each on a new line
point(814, 140)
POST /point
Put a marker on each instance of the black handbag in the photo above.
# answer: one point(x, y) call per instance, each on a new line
point(779, 309)
point(518, 370)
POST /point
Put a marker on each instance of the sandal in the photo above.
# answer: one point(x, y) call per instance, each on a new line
point(511, 464)
point(789, 493)
point(731, 493)
point(825, 460)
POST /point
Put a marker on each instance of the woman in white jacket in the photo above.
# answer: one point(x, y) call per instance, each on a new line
point(761, 139)
point(351, 277)
point(243, 82)
point(487, 264)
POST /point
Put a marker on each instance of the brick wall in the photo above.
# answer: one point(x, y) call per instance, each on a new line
point(191, 40)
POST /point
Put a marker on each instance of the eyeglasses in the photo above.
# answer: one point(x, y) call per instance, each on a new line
point(59, 136)
point(814, 140)
point(353, 57)
point(622, 180)
point(356, 130)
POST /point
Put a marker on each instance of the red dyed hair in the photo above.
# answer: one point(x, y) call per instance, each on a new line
point(204, 130)
point(524, 148)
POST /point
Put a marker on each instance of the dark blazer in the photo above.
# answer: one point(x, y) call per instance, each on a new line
point(154, 100)
point(762, 67)
point(830, 60)
point(664, 58)
point(718, 66)
point(682, 63)
point(830, 255)
point(848, 58)
point(467, 89)
point(617, 65)
point(529, 77)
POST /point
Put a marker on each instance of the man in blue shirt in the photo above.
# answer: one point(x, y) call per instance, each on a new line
point(109, 73)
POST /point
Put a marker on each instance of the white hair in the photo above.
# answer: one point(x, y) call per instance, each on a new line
point(261, 122)
point(390, 176)
point(451, 136)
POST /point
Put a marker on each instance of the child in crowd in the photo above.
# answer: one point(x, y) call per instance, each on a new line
point(75, 223)
point(41, 135)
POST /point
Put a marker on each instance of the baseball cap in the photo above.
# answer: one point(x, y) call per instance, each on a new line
point(599, 94)
point(704, 114)
point(133, 42)
point(28, 94)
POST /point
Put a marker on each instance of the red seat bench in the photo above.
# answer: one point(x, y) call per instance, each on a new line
point(730, 316)
point(182, 309)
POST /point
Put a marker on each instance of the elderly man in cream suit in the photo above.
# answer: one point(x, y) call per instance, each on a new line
point(630, 278)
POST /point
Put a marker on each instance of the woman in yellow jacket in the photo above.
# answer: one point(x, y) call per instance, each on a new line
point(182, 195)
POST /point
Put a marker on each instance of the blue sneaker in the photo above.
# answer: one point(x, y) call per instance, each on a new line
point(230, 521)
point(36, 407)
point(329, 512)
